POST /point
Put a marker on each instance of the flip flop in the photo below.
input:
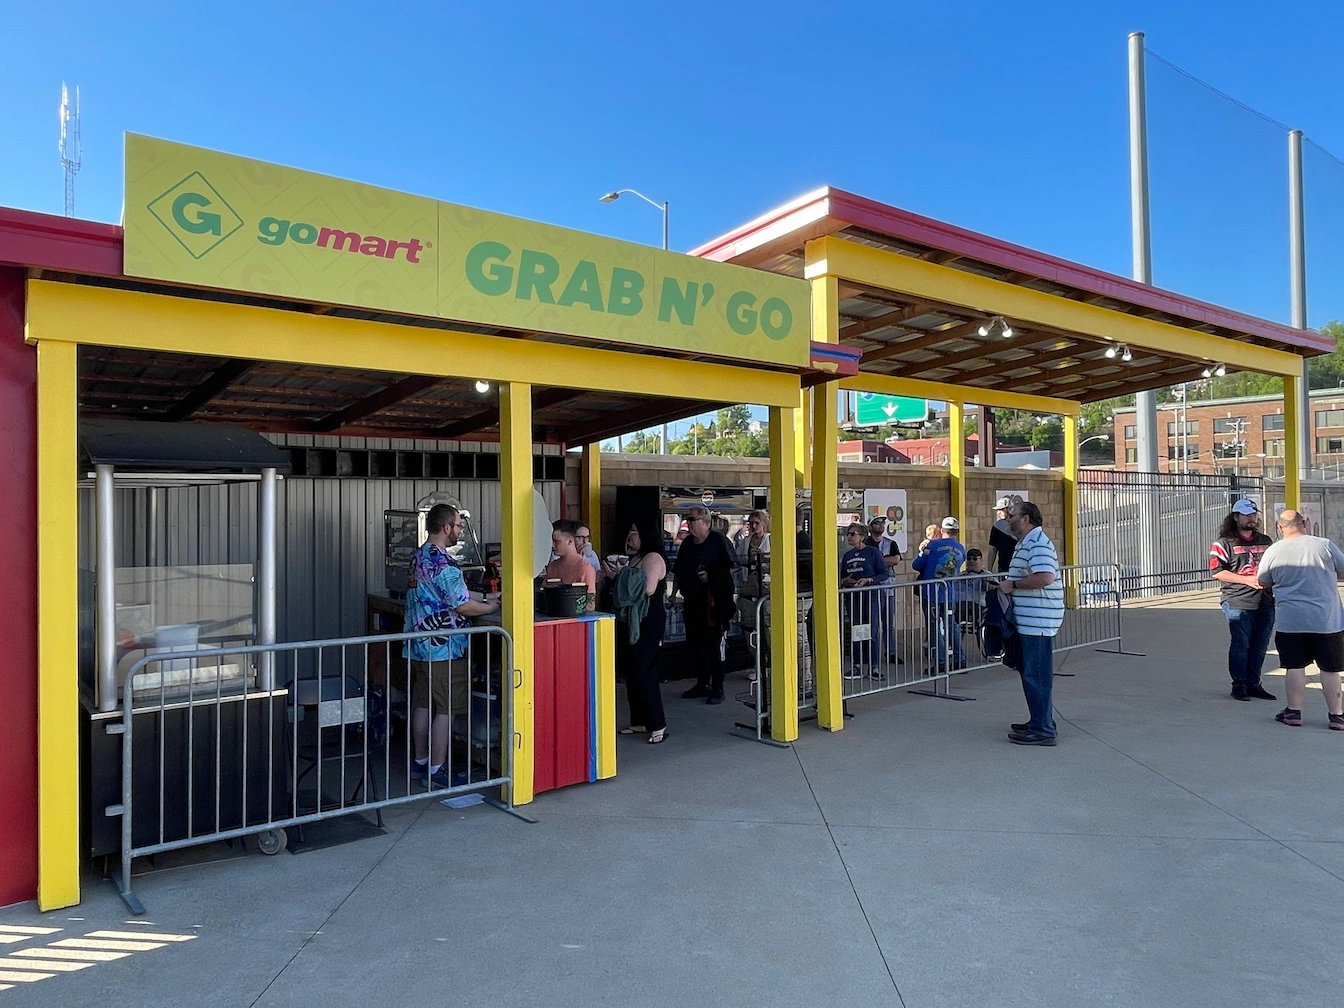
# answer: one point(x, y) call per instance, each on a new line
point(632, 730)
point(658, 737)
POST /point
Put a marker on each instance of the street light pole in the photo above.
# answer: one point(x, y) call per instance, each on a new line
point(612, 197)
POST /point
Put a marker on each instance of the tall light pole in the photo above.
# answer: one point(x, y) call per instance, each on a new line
point(612, 197)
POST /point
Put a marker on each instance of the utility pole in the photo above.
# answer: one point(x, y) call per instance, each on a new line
point(1145, 403)
point(1297, 264)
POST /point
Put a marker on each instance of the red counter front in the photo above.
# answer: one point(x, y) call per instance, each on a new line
point(569, 702)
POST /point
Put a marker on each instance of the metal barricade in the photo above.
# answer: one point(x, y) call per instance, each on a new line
point(757, 695)
point(228, 758)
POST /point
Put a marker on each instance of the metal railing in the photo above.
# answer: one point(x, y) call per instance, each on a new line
point(921, 633)
point(211, 752)
point(757, 695)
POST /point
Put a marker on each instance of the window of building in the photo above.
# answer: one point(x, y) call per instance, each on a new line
point(1330, 446)
point(1174, 451)
point(1174, 428)
point(1274, 449)
point(1271, 421)
point(1330, 418)
point(1131, 456)
point(1131, 432)
point(1236, 424)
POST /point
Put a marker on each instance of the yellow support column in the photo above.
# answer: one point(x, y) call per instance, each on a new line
point(1293, 393)
point(57, 604)
point(825, 484)
point(783, 580)
point(1070, 489)
point(518, 567)
point(826, 560)
point(802, 429)
point(956, 459)
point(590, 481)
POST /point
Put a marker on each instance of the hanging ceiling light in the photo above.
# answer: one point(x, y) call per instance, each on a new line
point(1111, 351)
point(1125, 354)
point(482, 387)
point(1219, 371)
point(997, 324)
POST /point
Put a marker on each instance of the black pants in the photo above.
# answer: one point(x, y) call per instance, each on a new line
point(704, 650)
point(638, 663)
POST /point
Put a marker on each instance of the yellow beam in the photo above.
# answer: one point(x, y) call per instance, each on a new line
point(802, 426)
point(1293, 392)
point(956, 461)
point(917, 278)
point(825, 483)
point(1071, 552)
point(783, 580)
point(518, 568)
point(604, 694)
point(166, 324)
point(826, 562)
point(590, 477)
point(57, 608)
point(917, 388)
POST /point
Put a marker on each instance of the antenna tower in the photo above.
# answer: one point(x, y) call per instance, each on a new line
point(70, 149)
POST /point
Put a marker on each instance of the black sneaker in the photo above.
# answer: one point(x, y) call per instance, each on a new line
point(716, 697)
point(1290, 717)
point(1259, 693)
point(696, 692)
point(1239, 693)
point(1026, 738)
point(1020, 728)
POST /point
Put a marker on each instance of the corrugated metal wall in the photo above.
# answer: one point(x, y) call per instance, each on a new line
point(330, 537)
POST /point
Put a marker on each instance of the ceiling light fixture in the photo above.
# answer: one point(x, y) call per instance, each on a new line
point(1125, 354)
point(997, 323)
point(482, 387)
point(1111, 351)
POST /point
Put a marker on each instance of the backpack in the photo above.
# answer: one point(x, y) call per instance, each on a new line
point(630, 601)
point(998, 633)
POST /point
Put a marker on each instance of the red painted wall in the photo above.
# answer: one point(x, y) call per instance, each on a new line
point(18, 598)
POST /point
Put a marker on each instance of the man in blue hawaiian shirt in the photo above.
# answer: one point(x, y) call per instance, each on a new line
point(437, 599)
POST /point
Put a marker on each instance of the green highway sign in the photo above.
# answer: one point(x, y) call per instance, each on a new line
point(875, 410)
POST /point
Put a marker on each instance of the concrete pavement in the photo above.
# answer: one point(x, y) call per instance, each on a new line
point(1176, 848)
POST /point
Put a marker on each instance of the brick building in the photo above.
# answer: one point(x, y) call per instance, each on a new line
point(1242, 436)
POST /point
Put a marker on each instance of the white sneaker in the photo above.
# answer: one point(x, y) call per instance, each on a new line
point(855, 672)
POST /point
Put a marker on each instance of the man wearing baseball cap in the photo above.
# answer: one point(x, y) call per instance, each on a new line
point(1001, 541)
point(1234, 559)
point(943, 559)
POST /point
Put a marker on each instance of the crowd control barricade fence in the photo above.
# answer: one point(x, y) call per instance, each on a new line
point(921, 633)
point(757, 695)
point(226, 743)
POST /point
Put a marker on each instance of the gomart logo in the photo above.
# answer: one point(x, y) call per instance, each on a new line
point(490, 268)
point(274, 231)
point(195, 214)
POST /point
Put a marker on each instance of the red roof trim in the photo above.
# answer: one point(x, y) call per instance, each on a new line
point(43, 241)
point(843, 209)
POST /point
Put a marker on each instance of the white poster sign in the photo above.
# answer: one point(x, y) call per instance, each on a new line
point(888, 504)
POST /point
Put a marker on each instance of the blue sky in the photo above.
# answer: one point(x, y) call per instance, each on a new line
point(1006, 118)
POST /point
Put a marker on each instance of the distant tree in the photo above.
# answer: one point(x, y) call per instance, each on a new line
point(643, 443)
point(1327, 371)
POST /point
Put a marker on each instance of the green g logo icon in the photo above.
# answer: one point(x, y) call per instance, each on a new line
point(195, 214)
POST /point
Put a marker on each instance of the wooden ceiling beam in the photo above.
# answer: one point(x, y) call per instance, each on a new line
point(220, 379)
point(380, 400)
point(905, 314)
point(919, 343)
point(991, 370)
point(490, 417)
point(646, 414)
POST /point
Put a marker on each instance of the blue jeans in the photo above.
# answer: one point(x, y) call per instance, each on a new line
point(940, 618)
point(1038, 682)
point(1249, 630)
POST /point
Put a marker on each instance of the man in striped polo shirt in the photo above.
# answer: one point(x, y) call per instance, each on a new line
point(1038, 610)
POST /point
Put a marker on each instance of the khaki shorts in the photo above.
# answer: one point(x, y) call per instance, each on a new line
point(454, 673)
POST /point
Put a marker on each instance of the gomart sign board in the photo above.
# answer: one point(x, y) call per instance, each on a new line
point(200, 217)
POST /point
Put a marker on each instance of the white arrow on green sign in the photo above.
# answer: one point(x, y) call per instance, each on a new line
point(874, 410)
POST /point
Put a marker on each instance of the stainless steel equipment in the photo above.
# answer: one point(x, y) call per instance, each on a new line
point(404, 532)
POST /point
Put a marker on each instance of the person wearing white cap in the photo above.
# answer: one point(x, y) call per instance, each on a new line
point(1234, 559)
point(943, 559)
point(1001, 541)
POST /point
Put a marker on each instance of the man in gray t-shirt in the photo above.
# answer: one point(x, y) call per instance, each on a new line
point(1304, 572)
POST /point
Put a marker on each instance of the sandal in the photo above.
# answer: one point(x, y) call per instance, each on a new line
point(1336, 722)
point(632, 730)
point(657, 737)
